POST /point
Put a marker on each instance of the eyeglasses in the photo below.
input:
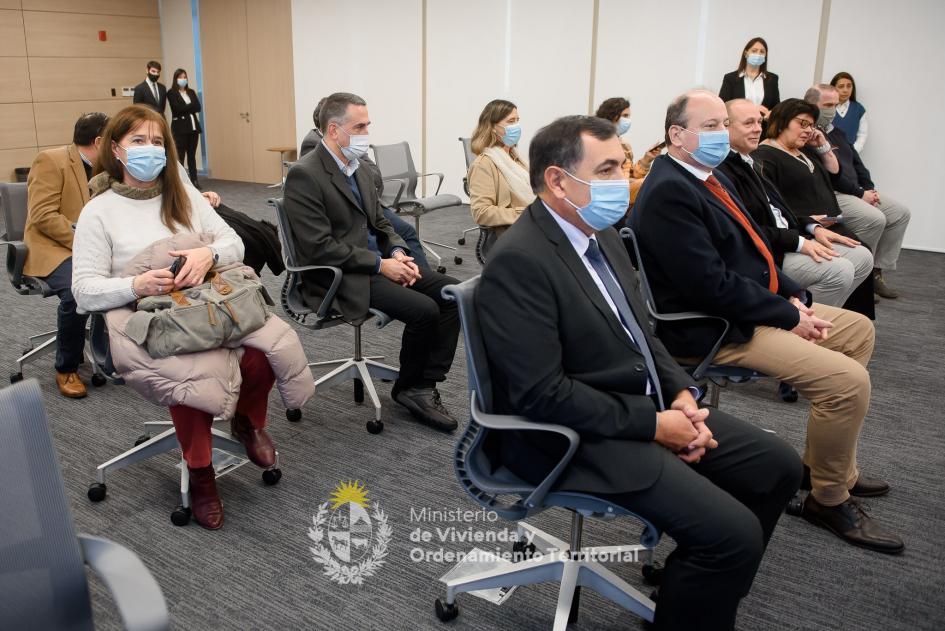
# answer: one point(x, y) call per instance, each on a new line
point(803, 122)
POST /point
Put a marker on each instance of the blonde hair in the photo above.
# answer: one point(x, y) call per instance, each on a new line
point(484, 136)
point(175, 205)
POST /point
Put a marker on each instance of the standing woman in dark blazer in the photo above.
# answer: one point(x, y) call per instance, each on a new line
point(752, 80)
point(185, 125)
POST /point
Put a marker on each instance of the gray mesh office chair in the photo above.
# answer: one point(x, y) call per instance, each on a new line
point(400, 192)
point(495, 488)
point(716, 376)
point(43, 583)
point(358, 368)
point(487, 237)
point(229, 453)
point(13, 200)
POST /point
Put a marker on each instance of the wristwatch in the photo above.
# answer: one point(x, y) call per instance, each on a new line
point(216, 256)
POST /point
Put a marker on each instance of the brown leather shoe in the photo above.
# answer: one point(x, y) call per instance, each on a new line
point(70, 385)
point(204, 500)
point(259, 447)
point(851, 523)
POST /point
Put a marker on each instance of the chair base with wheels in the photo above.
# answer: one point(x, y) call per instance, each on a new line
point(39, 345)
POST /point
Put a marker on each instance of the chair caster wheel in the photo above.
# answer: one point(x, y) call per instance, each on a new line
point(461, 241)
point(796, 506)
point(358, 391)
point(787, 392)
point(441, 269)
point(375, 427)
point(99, 380)
point(445, 611)
point(17, 376)
point(458, 260)
point(97, 492)
point(143, 438)
point(653, 574)
point(180, 516)
point(523, 551)
point(294, 415)
point(272, 476)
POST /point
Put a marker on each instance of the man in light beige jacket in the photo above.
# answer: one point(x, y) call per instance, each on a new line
point(57, 189)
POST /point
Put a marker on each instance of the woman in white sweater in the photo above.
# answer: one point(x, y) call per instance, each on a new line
point(138, 202)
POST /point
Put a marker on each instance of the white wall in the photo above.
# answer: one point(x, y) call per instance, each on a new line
point(905, 149)
point(538, 54)
point(177, 42)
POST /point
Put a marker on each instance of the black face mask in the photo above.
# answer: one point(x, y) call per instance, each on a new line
point(154, 77)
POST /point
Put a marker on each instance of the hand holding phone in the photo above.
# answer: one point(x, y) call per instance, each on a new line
point(657, 147)
point(177, 264)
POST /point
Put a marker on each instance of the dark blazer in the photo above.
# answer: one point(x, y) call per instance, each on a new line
point(312, 139)
point(733, 87)
point(558, 354)
point(698, 257)
point(853, 178)
point(757, 192)
point(144, 96)
point(331, 228)
point(182, 112)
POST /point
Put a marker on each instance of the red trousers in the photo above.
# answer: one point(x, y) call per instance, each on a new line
point(193, 426)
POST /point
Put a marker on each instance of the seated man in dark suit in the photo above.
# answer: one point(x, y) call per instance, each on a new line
point(702, 252)
point(403, 229)
point(333, 208)
point(830, 265)
point(569, 342)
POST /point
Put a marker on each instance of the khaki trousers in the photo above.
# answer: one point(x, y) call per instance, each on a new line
point(832, 375)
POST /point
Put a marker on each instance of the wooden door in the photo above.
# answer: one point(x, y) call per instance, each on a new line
point(226, 90)
point(271, 80)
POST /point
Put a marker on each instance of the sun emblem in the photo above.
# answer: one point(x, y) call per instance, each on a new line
point(349, 492)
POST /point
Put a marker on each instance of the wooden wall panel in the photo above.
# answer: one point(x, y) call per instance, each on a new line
point(55, 121)
point(10, 4)
point(76, 35)
point(12, 43)
point(144, 8)
point(58, 79)
point(17, 128)
point(14, 80)
point(13, 158)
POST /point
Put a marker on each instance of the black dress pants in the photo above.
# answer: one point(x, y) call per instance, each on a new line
point(187, 147)
point(432, 326)
point(721, 513)
point(70, 324)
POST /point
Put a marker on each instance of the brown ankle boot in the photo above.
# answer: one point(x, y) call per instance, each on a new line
point(204, 499)
point(259, 447)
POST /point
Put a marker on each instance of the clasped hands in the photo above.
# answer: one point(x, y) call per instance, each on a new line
point(809, 327)
point(155, 282)
point(400, 268)
point(682, 429)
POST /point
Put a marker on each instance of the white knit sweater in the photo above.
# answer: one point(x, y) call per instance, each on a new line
point(113, 229)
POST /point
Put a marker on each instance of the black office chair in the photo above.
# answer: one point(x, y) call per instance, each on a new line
point(491, 485)
point(13, 198)
point(486, 238)
point(362, 370)
point(42, 559)
point(400, 192)
point(716, 376)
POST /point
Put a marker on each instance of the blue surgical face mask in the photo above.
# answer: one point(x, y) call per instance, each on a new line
point(623, 125)
point(755, 60)
point(145, 163)
point(513, 133)
point(609, 202)
point(182, 83)
point(713, 147)
point(357, 145)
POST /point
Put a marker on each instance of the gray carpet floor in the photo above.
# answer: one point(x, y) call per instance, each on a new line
point(258, 573)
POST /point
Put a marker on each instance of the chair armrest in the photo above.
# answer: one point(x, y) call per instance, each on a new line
point(703, 365)
point(16, 258)
point(137, 595)
point(438, 184)
point(329, 299)
point(400, 190)
point(504, 422)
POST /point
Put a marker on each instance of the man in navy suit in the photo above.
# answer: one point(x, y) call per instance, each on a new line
point(569, 343)
point(151, 93)
point(702, 252)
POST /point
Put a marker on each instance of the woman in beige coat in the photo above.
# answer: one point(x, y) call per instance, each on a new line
point(499, 189)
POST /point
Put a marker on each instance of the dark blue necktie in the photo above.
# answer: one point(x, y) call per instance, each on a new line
point(596, 257)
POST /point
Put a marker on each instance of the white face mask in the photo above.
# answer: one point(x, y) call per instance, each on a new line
point(357, 145)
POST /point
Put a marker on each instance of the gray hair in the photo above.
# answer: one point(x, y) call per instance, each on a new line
point(676, 114)
point(814, 92)
point(335, 109)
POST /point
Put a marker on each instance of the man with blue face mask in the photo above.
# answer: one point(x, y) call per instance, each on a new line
point(336, 216)
point(569, 342)
point(702, 252)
